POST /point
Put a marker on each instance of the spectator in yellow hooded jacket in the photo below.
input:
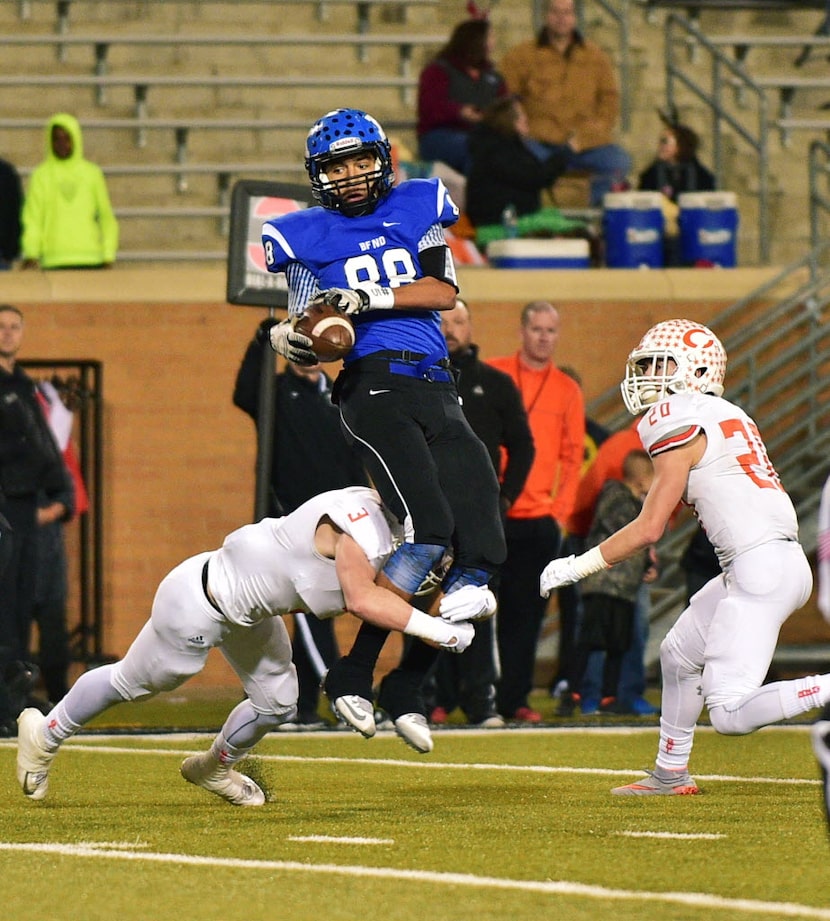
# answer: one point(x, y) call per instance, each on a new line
point(68, 221)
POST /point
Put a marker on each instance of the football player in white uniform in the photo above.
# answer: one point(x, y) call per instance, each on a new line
point(322, 559)
point(708, 453)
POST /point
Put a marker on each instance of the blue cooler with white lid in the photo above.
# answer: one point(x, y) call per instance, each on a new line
point(709, 228)
point(535, 253)
point(633, 230)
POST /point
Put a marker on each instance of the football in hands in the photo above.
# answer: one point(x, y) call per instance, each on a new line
point(330, 330)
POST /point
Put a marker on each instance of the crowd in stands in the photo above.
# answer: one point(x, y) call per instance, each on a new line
point(501, 133)
point(550, 108)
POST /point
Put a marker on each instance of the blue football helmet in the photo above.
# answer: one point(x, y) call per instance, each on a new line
point(343, 133)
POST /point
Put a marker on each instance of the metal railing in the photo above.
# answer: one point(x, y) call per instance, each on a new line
point(684, 44)
point(819, 180)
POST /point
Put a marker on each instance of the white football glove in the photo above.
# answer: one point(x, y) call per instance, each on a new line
point(439, 632)
point(294, 346)
point(463, 635)
point(556, 573)
point(470, 602)
point(364, 297)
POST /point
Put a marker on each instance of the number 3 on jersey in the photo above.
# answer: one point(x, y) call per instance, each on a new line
point(754, 460)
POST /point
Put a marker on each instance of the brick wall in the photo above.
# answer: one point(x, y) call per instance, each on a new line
point(178, 467)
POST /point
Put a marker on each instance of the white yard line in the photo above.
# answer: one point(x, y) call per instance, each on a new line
point(545, 887)
point(332, 839)
point(90, 744)
point(678, 836)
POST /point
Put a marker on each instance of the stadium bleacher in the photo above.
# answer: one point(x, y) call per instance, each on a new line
point(165, 93)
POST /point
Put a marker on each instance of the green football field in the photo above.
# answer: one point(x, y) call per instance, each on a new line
point(493, 824)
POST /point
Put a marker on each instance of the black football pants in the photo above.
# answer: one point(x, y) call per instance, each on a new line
point(430, 468)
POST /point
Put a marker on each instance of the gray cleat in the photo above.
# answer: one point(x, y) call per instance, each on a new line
point(660, 782)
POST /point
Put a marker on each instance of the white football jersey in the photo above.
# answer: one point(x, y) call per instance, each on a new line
point(272, 567)
point(734, 489)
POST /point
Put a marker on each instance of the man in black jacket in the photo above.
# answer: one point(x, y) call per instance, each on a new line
point(11, 203)
point(309, 456)
point(30, 465)
point(494, 409)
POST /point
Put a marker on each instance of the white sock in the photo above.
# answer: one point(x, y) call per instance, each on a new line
point(91, 694)
point(58, 727)
point(771, 703)
point(803, 694)
point(675, 747)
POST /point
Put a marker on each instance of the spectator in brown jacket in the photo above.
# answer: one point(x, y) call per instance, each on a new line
point(568, 87)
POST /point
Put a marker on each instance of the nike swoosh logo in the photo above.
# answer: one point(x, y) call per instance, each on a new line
point(30, 785)
point(359, 716)
point(373, 393)
point(391, 223)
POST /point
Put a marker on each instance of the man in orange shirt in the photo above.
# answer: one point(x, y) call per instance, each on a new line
point(556, 412)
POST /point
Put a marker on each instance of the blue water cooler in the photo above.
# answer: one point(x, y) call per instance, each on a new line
point(633, 230)
point(709, 228)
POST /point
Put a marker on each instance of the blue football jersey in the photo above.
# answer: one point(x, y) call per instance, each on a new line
point(380, 248)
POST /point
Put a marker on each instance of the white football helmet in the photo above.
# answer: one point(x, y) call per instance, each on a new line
point(677, 356)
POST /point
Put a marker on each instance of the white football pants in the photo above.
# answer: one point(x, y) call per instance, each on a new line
point(184, 626)
point(172, 647)
point(720, 649)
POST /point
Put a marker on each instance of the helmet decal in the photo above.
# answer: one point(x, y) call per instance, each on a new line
point(690, 335)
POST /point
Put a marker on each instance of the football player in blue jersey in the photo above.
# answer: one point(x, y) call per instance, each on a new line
point(378, 252)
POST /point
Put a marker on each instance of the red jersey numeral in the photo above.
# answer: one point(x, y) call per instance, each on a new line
point(658, 412)
point(754, 461)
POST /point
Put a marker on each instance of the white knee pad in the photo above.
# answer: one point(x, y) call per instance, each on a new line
point(673, 664)
point(276, 696)
point(137, 680)
point(727, 722)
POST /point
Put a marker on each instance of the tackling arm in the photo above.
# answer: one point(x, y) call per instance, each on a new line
point(383, 608)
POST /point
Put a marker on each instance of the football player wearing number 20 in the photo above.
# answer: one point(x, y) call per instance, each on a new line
point(708, 452)
point(378, 252)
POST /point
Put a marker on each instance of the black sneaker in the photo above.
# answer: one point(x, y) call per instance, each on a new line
point(346, 679)
point(567, 705)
